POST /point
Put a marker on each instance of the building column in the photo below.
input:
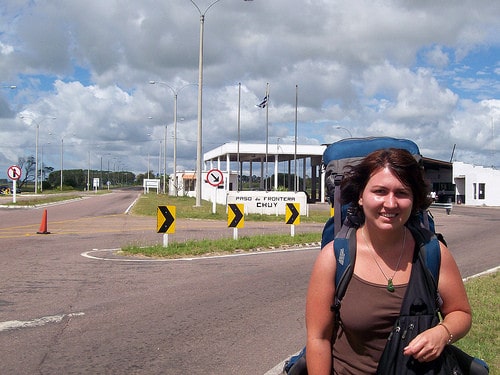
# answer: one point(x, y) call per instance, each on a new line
point(276, 170)
point(251, 174)
point(304, 174)
point(261, 174)
point(313, 183)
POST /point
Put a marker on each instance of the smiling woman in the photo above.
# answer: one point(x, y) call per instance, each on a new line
point(384, 190)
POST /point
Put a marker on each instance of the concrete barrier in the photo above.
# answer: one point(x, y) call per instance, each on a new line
point(447, 206)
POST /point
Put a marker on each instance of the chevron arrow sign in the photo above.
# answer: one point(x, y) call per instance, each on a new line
point(235, 217)
point(165, 219)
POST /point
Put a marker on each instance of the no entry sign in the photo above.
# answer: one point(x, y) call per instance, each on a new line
point(14, 172)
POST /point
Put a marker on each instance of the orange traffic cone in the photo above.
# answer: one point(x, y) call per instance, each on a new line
point(43, 224)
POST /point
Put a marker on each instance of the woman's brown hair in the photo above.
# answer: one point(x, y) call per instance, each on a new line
point(401, 162)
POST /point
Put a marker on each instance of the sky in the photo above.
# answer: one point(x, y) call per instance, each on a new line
point(424, 70)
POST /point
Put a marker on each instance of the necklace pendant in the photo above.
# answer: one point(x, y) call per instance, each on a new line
point(390, 286)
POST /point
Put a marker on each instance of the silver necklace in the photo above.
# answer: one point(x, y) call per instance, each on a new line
point(390, 284)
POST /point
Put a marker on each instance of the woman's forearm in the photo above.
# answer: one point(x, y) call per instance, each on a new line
point(319, 357)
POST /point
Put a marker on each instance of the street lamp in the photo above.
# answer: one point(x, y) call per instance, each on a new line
point(200, 103)
point(149, 135)
point(175, 92)
point(37, 123)
point(347, 130)
point(62, 160)
point(164, 155)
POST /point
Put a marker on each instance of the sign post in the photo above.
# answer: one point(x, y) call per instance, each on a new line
point(14, 173)
point(292, 216)
point(165, 222)
point(215, 178)
point(235, 217)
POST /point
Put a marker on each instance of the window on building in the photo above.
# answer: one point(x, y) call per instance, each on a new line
point(481, 194)
point(474, 186)
point(189, 181)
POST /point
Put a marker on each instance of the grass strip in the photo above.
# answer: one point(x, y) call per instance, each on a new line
point(483, 340)
point(224, 246)
point(147, 205)
point(34, 200)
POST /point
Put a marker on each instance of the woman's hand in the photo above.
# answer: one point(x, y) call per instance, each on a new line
point(456, 310)
point(428, 345)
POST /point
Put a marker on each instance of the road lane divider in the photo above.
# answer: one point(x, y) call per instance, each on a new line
point(16, 324)
point(113, 255)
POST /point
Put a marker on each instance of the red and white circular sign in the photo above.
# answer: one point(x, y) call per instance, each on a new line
point(215, 177)
point(14, 172)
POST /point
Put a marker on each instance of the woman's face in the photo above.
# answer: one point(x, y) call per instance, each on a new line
point(386, 202)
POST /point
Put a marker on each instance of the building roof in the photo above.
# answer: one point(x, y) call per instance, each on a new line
point(436, 164)
point(257, 152)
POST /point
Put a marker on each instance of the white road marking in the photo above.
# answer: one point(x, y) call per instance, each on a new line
point(15, 324)
point(88, 254)
point(132, 204)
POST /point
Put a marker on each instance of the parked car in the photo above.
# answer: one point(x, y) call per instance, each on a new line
point(6, 189)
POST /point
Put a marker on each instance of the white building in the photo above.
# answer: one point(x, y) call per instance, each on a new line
point(475, 185)
point(456, 182)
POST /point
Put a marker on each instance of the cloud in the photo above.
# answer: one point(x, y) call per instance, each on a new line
point(437, 57)
point(422, 70)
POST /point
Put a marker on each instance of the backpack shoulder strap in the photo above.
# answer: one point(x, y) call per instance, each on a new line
point(327, 235)
point(344, 247)
point(337, 206)
point(429, 253)
point(430, 250)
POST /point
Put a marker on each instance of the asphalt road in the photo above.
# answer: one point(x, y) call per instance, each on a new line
point(64, 313)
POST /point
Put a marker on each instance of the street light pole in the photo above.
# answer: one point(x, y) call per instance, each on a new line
point(62, 156)
point(199, 160)
point(36, 156)
point(36, 145)
point(347, 130)
point(88, 174)
point(175, 92)
point(165, 160)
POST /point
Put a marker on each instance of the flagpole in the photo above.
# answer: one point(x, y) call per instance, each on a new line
point(239, 133)
point(267, 136)
point(295, 152)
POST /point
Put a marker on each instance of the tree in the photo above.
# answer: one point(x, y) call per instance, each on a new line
point(46, 171)
point(77, 178)
point(28, 166)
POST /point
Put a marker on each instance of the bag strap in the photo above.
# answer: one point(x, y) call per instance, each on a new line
point(425, 273)
point(337, 205)
point(429, 253)
point(345, 256)
point(344, 247)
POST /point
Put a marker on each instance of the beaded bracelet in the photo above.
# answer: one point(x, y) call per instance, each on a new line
point(450, 336)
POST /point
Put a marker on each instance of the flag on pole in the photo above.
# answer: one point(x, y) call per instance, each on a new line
point(263, 103)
